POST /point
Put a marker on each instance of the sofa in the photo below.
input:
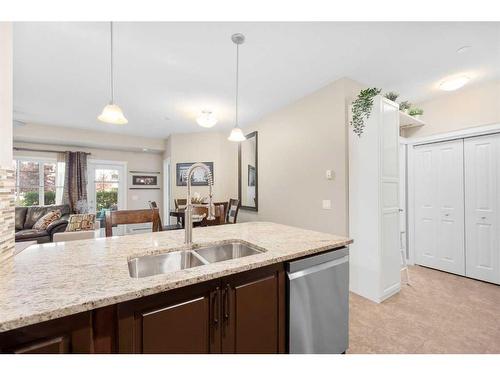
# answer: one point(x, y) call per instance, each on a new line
point(26, 217)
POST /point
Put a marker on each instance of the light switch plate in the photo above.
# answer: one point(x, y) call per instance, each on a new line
point(327, 204)
point(330, 175)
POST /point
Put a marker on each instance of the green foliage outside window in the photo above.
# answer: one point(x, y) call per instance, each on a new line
point(105, 199)
point(50, 197)
point(30, 198)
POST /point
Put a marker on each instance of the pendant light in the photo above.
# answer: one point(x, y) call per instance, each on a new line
point(112, 113)
point(237, 134)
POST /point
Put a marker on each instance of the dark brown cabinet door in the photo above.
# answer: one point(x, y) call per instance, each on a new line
point(57, 345)
point(178, 322)
point(179, 328)
point(70, 334)
point(253, 312)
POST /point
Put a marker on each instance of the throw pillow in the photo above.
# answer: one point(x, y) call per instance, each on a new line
point(47, 219)
point(81, 222)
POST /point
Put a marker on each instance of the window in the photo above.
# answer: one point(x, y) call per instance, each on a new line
point(106, 188)
point(36, 182)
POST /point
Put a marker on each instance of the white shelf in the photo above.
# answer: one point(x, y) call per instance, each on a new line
point(407, 121)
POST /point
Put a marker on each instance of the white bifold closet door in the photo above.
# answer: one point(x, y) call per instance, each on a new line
point(439, 206)
point(482, 189)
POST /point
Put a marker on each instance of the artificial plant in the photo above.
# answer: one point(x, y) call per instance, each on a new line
point(362, 108)
point(392, 95)
point(404, 106)
point(416, 112)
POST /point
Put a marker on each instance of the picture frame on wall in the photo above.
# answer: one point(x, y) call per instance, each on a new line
point(144, 180)
point(200, 177)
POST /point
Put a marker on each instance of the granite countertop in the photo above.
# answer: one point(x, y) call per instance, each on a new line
point(52, 280)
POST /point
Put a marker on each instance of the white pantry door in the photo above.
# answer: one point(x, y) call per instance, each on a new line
point(439, 206)
point(482, 176)
point(402, 198)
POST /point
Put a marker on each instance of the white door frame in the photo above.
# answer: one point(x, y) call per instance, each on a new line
point(459, 134)
point(166, 191)
point(122, 188)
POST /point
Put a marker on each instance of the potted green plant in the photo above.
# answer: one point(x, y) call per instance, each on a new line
point(362, 108)
point(391, 95)
point(405, 106)
point(416, 112)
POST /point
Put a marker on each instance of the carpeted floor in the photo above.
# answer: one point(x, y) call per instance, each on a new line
point(438, 313)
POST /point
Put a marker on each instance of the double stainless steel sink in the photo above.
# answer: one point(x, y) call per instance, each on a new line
point(150, 265)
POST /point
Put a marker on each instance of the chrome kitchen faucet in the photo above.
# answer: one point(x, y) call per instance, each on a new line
point(188, 212)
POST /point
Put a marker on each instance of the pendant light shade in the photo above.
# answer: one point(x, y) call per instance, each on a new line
point(237, 134)
point(112, 113)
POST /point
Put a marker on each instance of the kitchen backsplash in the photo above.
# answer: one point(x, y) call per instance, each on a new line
point(7, 220)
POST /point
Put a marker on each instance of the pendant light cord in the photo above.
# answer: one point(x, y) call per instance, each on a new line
point(237, 86)
point(112, 73)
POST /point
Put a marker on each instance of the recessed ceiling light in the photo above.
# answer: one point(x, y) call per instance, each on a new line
point(206, 119)
point(463, 49)
point(453, 83)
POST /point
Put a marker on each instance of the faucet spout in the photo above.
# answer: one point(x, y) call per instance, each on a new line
point(188, 213)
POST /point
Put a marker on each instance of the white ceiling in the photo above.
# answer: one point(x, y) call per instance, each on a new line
point(166, 73)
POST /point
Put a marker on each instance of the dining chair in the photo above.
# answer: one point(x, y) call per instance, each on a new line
point(224, 204)
point(232, 211)
point(114, 218)
point(219, 215)
point(180, 202)
point(153, 205)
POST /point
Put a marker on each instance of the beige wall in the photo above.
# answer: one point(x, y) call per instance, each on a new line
point(5, 94)
point(461, 109)
point(200, 147)
point(6, 170)
point(141, 161)
point(297, 144)
point(66, 136)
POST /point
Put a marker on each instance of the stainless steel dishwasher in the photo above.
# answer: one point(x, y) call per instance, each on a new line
point(318, 303)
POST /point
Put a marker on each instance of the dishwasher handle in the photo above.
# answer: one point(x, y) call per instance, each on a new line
point(318, 267)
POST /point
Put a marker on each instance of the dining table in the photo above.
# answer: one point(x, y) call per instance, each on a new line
point(179, 212)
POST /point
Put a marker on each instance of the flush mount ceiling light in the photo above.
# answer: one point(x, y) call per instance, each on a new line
point(237, 134)
point(207, 119)
point(453, 83)
point(112, 113)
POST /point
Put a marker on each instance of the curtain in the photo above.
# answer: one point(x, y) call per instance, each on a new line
point(75, 180)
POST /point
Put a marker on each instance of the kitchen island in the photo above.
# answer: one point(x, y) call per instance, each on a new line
point(79, 296)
